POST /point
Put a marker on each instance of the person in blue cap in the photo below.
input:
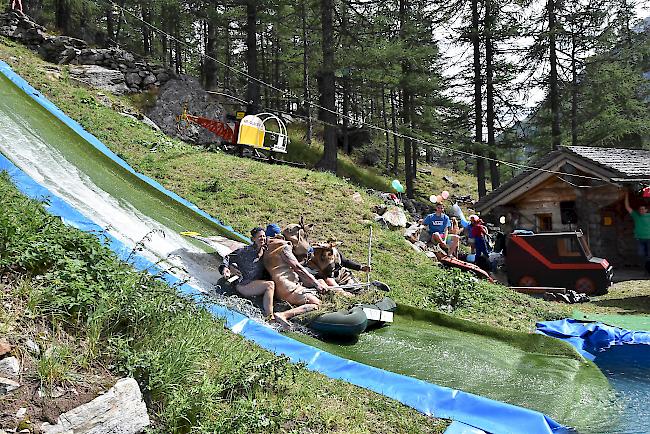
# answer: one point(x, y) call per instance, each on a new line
point(272, 230)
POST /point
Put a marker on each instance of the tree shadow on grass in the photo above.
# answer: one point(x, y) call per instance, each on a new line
point(629, 305)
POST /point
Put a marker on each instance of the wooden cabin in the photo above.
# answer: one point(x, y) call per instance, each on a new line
point(573, 188)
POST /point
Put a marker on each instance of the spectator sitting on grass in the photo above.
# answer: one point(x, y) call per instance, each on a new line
point(438, 226)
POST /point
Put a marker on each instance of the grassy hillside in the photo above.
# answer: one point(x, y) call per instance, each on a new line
point(96, 319)
point(245, 193)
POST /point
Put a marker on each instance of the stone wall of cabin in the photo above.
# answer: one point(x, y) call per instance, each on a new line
point(601, 216)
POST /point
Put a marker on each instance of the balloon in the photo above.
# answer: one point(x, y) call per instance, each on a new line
point(445, 195)
point(433, 198)
point(397, 186)
point(459, 213)
point(439, 198)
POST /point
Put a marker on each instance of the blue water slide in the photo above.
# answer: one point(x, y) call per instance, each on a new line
point(469, 410)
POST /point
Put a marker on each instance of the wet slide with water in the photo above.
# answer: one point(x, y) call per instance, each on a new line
point(85, 179)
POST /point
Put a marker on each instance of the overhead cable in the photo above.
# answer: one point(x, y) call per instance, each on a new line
point(317, 106)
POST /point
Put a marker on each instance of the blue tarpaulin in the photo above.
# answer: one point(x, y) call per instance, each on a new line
point(589, 338)
point(472, 410)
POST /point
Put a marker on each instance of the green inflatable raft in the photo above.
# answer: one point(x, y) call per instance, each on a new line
point(354, 321)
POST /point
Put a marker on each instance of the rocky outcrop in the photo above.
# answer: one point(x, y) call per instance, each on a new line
point(19, 27)
point(121, 410)
point(119, 72)
point(112, 69)
point(100, 77)
point(172, 97)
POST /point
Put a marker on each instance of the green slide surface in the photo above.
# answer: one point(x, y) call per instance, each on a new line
point(523, 369)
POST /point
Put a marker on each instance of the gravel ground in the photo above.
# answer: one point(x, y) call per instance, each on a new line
point(626, 297)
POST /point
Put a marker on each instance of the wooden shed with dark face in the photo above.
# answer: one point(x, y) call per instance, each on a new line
point(576, 188)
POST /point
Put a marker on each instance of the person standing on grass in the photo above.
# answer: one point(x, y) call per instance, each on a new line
point(478, 231)
point(641, 220)
point(18, 3)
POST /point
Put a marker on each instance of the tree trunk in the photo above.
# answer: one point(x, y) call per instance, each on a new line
point(327, 88)
point(163, 37)
point(574, 93)
point(276, 71)
point(305, 75)
point(210, 67)
point(414, 158)
point(83, 22)
point(120, 18)
point(489, 83)
point(144, 29)
point(178, 50)
point(346, 113)
point(110, 25)
point(478, 99)
point(406, 100)
point(408, 145)
point(265, 71)
point(346, 84)
point(393, 122)
point(253, 88)
point(384, 117)
point(228, 55)
point(62, 16)
point(554, 95)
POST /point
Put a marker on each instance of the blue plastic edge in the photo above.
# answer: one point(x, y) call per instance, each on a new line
point(473, 410)
point(460, 428)
point(591, 337)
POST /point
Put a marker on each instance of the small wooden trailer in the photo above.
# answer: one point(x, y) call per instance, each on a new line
point(560, 260)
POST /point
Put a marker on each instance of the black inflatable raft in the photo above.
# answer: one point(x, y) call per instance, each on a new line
point(351, 322)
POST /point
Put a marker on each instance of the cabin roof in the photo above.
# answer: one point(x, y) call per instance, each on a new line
point(611, 165)
point(630, 163)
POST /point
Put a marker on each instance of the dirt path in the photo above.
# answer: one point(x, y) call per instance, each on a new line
point(630, 297)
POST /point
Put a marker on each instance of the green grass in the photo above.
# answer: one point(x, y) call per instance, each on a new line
point(90, 310)
point(56, 366)
point(245, 193)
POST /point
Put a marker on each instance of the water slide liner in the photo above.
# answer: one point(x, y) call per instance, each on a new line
point(443, 402)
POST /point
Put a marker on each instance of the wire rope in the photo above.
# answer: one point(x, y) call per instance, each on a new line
point(340, 115)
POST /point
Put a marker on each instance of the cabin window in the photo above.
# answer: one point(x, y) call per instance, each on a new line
point(568, 214)
point(544, 222)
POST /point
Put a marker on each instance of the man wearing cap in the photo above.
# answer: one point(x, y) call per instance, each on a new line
point(438, 226)
point(478, 232)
